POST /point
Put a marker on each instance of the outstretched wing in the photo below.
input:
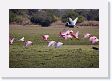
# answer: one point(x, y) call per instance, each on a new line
point(75, 21)
point(70, 19)
point(77, 34)
point(22, 39)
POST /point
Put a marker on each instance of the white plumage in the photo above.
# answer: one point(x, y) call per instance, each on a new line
point(55, 44)
point(51, 43)
point(11, 40)
point(58, 44)
point(22, 39)
point(72, 23)
point(28, 43)
point(87, 35)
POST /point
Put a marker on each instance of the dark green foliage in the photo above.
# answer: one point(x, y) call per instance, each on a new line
point(81, 19)
point(93, 15)
point(89, 14)
point(46, 17)
point(43, 18)
point(12, 16)
point(70, 14)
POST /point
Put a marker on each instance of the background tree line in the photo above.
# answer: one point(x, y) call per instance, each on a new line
point(45, 17)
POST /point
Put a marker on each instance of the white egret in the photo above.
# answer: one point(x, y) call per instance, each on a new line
point(58, 44)
point(22, 39)
point(51, 43)
point(71, 23)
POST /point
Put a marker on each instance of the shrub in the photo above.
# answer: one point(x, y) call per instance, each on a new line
point(43, 18)
point(81, 19)
point(70, 14)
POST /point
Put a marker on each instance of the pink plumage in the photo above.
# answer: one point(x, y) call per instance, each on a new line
point(45, 37)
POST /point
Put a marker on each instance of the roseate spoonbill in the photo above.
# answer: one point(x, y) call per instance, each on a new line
point(45, 37)
point(11, 40)
point(75, 35)
point(28, 43)
point(93, 39)
point(87, 35)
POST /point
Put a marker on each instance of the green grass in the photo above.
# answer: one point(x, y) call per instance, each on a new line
point(73, 54)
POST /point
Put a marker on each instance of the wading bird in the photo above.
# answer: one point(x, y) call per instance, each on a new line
point(11, 40)
point(58, 44)
point(27, 43)
point(55, 44)
point(87, 35)
point(75, 35)
point(92, 39)
point(71, 23)
point(22, 39)
point(51, 43)
point(45, 37)
point(69, 34)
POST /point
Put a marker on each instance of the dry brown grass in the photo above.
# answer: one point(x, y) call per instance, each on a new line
point(89, 23)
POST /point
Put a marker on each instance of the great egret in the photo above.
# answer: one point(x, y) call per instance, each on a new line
point(22, 39)
point(51, 43)
point(55, 44)
point(71, 23)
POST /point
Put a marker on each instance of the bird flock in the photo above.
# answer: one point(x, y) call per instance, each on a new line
point(65, 34)
point(69, 34)
point(93, 39)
